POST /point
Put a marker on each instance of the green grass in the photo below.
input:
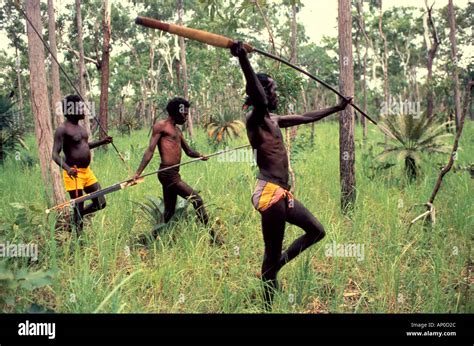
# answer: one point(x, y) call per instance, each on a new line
point(424, 269)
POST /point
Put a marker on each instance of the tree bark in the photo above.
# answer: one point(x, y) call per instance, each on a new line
point(82, 67)
point(346, 117)
point(184, 71)
point(104, 69)
point(40, 107)
point(454, 56)
point(56, 89)
point(432, 48)
point(361, 21)
point(21, 112)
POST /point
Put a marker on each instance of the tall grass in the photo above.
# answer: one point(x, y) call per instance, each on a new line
point(424, 269)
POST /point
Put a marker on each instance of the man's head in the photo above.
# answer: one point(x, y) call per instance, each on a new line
point(269, 85)
point(73, 107)
point(178, 109)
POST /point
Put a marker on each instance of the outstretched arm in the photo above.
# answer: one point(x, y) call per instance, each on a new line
point(155, 137)
point(100, 142)
point(309, 117)
point(254, 87)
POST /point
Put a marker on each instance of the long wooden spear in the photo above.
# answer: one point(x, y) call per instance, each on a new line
point(131, 182)
point(225, 42)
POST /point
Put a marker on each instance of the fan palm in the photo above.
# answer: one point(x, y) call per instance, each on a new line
point(410, 137)
point(223, 127)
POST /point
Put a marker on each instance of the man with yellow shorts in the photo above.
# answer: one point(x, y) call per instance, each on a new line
point(72, 140)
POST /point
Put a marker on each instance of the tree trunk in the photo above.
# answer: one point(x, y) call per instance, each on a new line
point(184, 71)
point(82, 67)
point(346, 117)
point(360, 12)
point(56, 89)
point(454, 56)
point(21, 107)
point(52, 179)
point(432, 48)
point(104, 69)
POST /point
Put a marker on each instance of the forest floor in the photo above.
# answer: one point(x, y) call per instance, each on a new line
point(391, 268)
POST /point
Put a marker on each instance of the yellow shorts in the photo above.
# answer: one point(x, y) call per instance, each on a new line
point(267, 194)
point(85, 177)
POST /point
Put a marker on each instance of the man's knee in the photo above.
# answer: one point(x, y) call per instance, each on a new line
point(316, 231)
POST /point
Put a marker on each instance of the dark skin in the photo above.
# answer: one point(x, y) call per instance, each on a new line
point(263, 131)
point(169, 139)
point(72, 139)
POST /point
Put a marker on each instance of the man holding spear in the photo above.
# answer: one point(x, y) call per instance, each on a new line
point(169, 139)
point(71, 138)
point(272, 196)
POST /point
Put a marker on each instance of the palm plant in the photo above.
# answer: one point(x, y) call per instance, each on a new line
point(410, 137)
point(224, 126)
point(11, 137)
point(154, 211)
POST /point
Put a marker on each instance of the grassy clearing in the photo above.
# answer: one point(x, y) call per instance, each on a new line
point(420, 270)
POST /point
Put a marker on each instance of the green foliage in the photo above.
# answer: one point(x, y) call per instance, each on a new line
point(154, 209)
point(410, 137)
point(11, 138)
point(223, 127)
point(13, 281)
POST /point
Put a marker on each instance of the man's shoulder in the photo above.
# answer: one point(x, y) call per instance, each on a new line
point(60, 130)
point(160, 125)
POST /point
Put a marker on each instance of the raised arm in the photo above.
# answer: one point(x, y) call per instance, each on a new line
point(155, 137)
point(309, 117)
point(254, 88)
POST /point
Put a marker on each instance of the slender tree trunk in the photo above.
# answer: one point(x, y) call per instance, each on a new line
point(293, 53)
point(432, 48)
point(82, 67)
point(56, 89)
point(21, 112)
point(454, 56)
point(360, 11)
point(104, 68)
point(184, 71)
point(40, 107)
point(346, 117)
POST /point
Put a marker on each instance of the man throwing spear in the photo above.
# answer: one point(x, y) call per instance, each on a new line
point(169, 139)
point(72, 139)
point(272, 196)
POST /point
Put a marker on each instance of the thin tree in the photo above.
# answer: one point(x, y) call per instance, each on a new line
point(40, 106)
point(55, 86)
point(184, 68)
point(454, 56)
point(361, 24)
point(104, 69)
point(346, 117)
point(82, 67)
point(432, 46)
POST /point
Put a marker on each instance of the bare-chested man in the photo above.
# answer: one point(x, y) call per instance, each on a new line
point(169, 139)
point(272, 197)
point(72, 139)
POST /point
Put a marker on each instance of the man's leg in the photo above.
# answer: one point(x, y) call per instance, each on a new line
point(185, 191)
point(273, 229)
point(314, 231)
point(78, 210)
point(169, 198)
point(97, 203)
